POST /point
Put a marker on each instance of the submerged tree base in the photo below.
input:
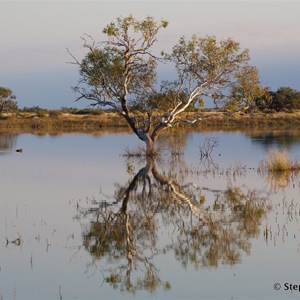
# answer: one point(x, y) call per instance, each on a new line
point(142, 152)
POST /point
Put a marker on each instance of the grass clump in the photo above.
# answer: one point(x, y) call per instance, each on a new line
point(278, 161)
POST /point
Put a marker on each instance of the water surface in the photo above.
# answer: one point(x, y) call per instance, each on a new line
point(81, 221)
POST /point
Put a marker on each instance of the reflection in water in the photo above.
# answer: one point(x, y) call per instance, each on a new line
point(282, 139)
point(281, 180)
point(7, 142)
point(172, 224)
point(174, 141)
point(155, 214)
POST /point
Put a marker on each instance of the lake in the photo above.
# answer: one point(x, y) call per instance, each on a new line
point(79, 220)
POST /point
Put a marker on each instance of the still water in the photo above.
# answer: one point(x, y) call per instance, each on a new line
point(79, 220)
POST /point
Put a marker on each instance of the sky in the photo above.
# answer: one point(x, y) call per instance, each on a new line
point(35, 35)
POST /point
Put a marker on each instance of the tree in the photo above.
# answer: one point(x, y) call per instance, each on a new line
point(7, 100)
point(263, 101)
point(120, 73)
point(247, 90)
point(285, 98)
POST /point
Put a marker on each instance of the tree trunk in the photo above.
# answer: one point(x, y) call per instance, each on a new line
point(150, 149)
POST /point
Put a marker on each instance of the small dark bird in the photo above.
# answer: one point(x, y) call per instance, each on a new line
point(19, 150)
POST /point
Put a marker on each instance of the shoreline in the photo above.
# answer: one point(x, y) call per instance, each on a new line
point(109, 121)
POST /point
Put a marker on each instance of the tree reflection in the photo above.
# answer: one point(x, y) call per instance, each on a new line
point(154, 214)
point(7, 142)
point(237, 217)
point(281, 139)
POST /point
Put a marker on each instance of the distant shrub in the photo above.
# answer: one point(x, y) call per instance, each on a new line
point(284, 99)
point(35, 109)
point(84, 111)
point(69, 110)
point(54, 113)
point(38, 111)
point(89, 111)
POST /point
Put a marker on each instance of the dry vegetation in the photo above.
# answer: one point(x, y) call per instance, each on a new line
point(278, 161)
point(281, 171)
point(88, 122)
point(59, 121)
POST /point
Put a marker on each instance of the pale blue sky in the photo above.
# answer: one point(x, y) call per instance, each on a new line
point(34, 36)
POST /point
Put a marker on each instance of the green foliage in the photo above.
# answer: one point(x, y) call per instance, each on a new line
point(35, 109)
point(207, 60)
point(285, 98)
point(263, 101)
point(7, 101)
point(99, 64)
point(69, 110)
point(88, 111)
point(166, 98)
point(148, 27)
point(122, 66)
point(216, 69)
point(78, 111)
point(122, 70)
point(247, 88)
point(120, 73)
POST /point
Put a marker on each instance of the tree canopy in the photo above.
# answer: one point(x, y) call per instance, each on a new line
point(120, 73)
point(7, 100)
point(285, 98)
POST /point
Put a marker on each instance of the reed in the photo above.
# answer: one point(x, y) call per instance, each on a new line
point(278, 161)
